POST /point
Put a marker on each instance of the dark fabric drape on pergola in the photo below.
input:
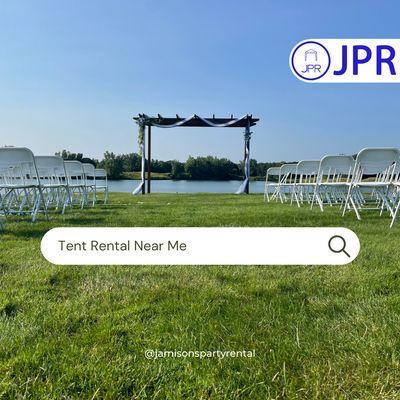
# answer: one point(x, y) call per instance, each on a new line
point(246, 122)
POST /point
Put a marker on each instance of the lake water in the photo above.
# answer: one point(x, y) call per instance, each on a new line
point(169, 186)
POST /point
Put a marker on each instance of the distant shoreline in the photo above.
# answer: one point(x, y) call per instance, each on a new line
point(159, 176)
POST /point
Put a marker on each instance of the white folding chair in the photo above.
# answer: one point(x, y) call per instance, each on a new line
point(334, 177)
point(90, 181)
point(101, 182)
point(20, 186)
point(53, 177)
point(287, 178)
point(395, 194)
point(271, 183)
point(305, 181)
point(372, 178)
point(76, 182)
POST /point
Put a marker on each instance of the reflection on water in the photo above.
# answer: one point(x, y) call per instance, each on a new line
point(169, 186)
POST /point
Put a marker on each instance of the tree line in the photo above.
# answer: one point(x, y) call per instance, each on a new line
point(118, 166)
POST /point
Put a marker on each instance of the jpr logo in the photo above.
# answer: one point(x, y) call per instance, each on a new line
point(313, 54)
point(346, 60)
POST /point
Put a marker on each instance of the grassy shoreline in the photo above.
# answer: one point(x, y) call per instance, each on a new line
point(317, 332)
point(160, 176)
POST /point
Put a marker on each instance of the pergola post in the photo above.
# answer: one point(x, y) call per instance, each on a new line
point(144, 162)
point(149, 160)
point(247, 154)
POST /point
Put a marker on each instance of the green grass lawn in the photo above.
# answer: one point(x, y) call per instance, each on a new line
point(318, 332)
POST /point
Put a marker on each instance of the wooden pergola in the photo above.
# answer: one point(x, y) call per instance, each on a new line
point(245, 122)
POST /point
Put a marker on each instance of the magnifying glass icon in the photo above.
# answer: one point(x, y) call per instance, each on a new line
point(337, 244)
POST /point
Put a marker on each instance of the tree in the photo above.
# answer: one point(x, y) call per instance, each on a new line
point(177, 170)
point(211, 168)
point(67, 155)
point(113, 165)
point(204, 168)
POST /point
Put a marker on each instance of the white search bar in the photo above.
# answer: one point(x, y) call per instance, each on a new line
point(200, 246)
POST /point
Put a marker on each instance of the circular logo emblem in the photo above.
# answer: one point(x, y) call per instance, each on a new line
point(310, 60)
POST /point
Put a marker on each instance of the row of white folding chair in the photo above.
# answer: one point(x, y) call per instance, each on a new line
point(369, 181)
point(84, 180)
point(53, 179)
point(63, 182)
point(21, 191)
point(375, 182)
point(30, 184)
point(293, 181)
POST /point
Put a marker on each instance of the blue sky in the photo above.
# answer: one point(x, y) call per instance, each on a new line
point(73, 73)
